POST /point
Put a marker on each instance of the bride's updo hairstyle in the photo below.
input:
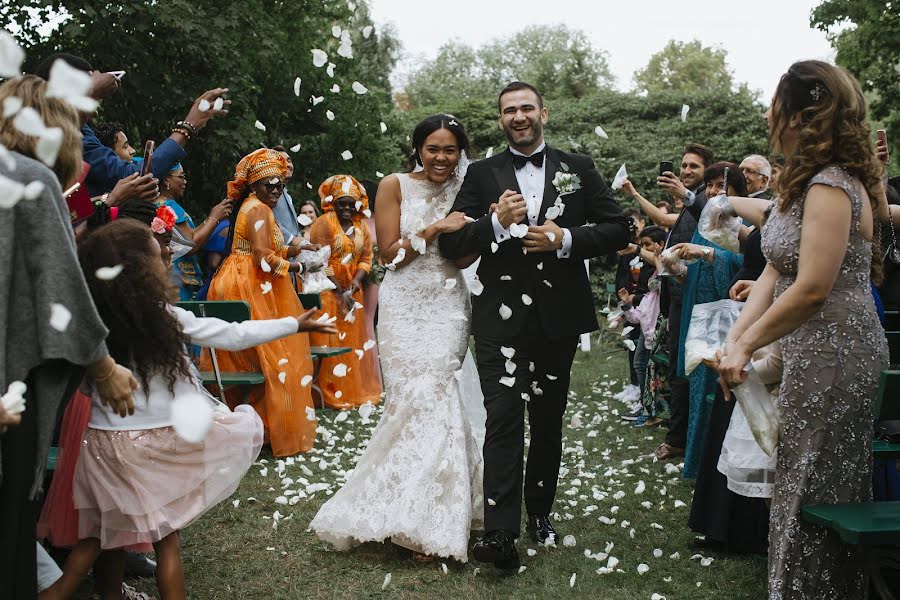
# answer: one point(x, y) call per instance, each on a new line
point(429, 125)
point(832, 132)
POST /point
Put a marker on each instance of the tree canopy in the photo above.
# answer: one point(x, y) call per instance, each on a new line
point(173, 51)
point(554, 58)
point(683, 67)
point(866, 35)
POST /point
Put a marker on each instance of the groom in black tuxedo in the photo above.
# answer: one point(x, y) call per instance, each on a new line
point(539, 212)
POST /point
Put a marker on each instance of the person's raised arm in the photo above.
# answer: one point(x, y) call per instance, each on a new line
point(823, 244)
point(201, 234)
point(656, 214)
point(752, 210)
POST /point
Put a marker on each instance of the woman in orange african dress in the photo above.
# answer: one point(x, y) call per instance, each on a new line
point(257, 272)
point(341, 227)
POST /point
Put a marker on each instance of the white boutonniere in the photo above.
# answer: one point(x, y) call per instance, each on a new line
point(565, 183)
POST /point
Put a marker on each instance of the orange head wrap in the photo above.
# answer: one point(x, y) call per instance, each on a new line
point(257, 165)
point(341, 186)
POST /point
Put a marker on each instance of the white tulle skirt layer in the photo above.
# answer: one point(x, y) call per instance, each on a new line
point(750, 471)
point(133, 488)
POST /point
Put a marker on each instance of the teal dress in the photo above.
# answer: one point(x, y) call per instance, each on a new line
point(704, 282)
point(187, 268)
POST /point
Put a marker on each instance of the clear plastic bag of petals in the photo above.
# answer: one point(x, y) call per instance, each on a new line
point(719, 227)
point(672, 263)
point(760, 410)
point(314, 279)
point(709, 327)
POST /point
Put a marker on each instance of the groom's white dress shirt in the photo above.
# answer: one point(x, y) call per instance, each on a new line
point(531, 183)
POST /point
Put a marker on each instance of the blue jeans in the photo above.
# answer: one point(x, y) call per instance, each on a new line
point(641, 358)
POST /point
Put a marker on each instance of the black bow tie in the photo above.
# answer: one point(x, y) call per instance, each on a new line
point(537, 159)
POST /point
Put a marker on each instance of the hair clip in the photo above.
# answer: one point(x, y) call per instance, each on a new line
point(818, 92)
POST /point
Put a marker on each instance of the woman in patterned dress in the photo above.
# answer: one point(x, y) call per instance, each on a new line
point(814, 295)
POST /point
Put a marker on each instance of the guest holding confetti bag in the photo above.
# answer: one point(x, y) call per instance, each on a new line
point(351, 379)
point(256, 271)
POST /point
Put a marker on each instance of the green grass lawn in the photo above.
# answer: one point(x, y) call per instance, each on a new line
point(234, 551)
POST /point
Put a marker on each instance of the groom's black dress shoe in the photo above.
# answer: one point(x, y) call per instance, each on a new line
point(498, 547)
point(540, 528)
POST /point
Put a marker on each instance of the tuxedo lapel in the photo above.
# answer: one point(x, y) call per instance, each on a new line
point(505, 173)
point(551, 167)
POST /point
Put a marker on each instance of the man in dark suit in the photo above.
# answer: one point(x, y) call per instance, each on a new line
point(552, 210)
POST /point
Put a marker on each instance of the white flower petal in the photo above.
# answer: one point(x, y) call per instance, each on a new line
point(489, 153)
point(572, 580)
point(383, 127)
point(599, 131)
point(494, 247)
point(329, 115)
point(11, 56)
point(108, 273)
point(336, 31)
point(569, 541)
point(218, 103)
point(505, 312)
point(369, 345)
point(507, 351)
point(346, 155)
point(387, 581)
point(259, 125)
point(191, 416)
point(304, 220)
point(367, 31)
point(684, 112)
point(266, 287)
point(340, 370)
point(11, 106)
point(316, 99)
point(264, 266)
point(204, 105)
point(282, 376)
point(60, 316)
point(258, 224)
point(71, 85)
point(508, 381)
point(359, 88)
point(319, 57)
point(642, 568)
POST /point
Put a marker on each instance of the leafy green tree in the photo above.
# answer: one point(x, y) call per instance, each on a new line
point(174, 50)
point(683, 67)
point(866, 35)
point(557, 60)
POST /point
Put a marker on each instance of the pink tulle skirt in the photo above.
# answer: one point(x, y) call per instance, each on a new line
point(59, 520)
point(137, 487)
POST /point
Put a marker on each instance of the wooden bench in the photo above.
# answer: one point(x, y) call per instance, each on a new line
point(237, 312)
point(874, 526)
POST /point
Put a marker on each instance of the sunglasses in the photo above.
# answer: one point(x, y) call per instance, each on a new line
point(273, 187)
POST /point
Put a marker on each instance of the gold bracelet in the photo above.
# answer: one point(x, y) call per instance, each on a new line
point(108, 375)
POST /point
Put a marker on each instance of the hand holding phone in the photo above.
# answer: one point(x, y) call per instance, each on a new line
point(666, 165)
point(148, 157)
point(881, 147)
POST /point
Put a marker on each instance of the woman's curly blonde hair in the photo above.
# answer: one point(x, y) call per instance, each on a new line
point(832, 132)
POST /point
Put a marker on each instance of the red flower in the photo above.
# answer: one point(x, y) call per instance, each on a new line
point(167, 215)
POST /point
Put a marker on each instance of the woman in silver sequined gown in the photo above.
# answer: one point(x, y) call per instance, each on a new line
point(815, 294)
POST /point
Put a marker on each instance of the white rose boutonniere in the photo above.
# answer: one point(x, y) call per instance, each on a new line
point(565, 183)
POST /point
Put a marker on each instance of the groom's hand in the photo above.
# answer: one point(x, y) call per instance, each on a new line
point(544, 238)
point(511, 208)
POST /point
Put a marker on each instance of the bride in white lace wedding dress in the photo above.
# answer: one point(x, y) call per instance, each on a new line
point(419, 482)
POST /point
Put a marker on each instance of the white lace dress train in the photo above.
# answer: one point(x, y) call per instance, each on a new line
point(419, 482)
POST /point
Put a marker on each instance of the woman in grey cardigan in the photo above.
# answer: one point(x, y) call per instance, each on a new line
point(51, 335)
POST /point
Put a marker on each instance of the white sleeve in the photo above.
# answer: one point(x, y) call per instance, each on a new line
point(216, 333)
point(500, 234)
point(566, 250)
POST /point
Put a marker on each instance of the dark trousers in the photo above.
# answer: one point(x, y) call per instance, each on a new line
point(18, 514)
point(504, 443)
point(679, 389)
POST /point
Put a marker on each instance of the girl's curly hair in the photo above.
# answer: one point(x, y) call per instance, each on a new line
point(832, 132)
point(143, 334)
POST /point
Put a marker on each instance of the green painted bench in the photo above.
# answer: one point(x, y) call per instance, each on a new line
point(874, 526)
point(236, 312)
point(887, 408)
